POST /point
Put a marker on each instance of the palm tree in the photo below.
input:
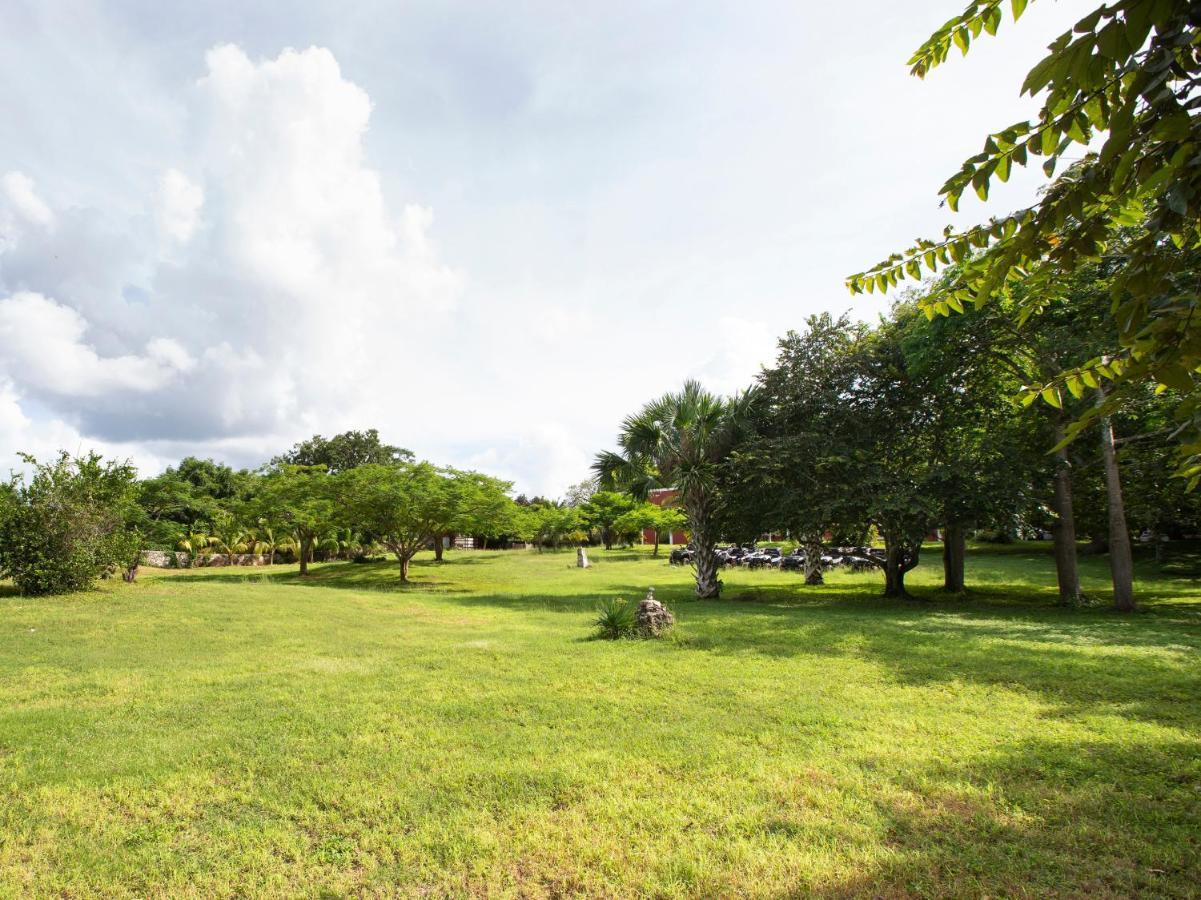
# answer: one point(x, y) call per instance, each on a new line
point(678, 441)
point(267, 543)
point(335, 543)
point(194, 543)
point(229, 537)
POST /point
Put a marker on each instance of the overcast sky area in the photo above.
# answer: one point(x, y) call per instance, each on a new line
point(490, 230)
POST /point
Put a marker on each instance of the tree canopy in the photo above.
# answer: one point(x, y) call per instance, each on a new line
point(1128, 70)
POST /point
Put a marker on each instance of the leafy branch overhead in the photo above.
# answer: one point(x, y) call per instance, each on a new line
point(1129, 72)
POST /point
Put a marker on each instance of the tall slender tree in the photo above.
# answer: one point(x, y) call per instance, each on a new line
point(678, 441)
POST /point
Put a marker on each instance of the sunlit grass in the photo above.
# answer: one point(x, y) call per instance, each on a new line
point(235, 732)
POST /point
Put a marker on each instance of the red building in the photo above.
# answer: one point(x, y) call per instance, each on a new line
point(663, 497)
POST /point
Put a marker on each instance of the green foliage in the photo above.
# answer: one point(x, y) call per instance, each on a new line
point(1128, 70)
point(406, 505)
point(65, 526)
point(601, 512)
point(631, 523)
point(187, 497)
point(615, 619)
point(480, 504)
point(230, 537)
point(680, 441)
point(548, 524)
point(343, 452)
point(301, 499)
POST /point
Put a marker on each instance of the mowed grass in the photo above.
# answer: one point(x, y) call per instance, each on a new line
point(244, 733)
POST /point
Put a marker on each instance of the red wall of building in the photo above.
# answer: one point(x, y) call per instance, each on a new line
point(663, 497)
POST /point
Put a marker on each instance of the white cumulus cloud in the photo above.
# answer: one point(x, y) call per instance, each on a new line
point(19, 191)
point(292, 294)
point(43, 346)
point(179, 204)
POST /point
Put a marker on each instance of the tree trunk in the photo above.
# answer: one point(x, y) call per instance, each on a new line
point(404, 566)
point(708, 585)
point(304, 556)
point(1064, 530)
point(1121, 565)
point(813, 563)
point(438, 547)
point(898, 560)
point(656, 553)
point(954, 549)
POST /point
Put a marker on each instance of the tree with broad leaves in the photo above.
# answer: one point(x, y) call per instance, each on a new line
point(984, 450)
point(403, 504)
point(474, 504)
point(1129, 71)
point(300, 498)
point(795, 471)
point(343, 452)
point(678, 441)
point(601, 511)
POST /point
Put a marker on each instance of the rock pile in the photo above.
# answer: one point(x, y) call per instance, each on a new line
point(653, 618)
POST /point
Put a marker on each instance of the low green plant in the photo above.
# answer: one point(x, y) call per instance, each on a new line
point(615, 619)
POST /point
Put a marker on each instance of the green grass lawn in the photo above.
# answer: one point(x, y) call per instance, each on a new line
point(247, 733)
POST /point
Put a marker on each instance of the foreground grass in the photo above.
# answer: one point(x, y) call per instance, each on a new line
point(247, 733)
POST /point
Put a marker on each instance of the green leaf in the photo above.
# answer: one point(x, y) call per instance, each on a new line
point(980, 183)
point(1051, 396)
point(1019, 7)
point(992, 20)
point(1176, 377)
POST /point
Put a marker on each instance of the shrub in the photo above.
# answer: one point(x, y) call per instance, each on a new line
point(615, 619)
point(65, 526)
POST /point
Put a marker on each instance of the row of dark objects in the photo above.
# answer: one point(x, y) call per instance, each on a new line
point(858, 559)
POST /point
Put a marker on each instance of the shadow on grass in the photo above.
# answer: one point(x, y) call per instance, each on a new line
point(1040, 818)
point(381, 577)
point(1143, 666)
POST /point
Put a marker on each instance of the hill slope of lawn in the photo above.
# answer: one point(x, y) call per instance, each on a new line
point(244, 732)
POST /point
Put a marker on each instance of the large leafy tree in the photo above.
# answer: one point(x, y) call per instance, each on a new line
point(482, 504)
point(845, 439)
point(473, 503)
point(1130, 71)
point(302, 500)
point(679, 441)
point(797, 472)
point(188, 496)
point(403, 504)
point(601, 512)
point(343, 451)
point(983, 458)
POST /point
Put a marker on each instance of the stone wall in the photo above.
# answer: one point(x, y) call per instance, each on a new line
point(167, 559)
point(164, 559)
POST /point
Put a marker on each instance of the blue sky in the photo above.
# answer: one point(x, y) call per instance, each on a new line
point(488, 229)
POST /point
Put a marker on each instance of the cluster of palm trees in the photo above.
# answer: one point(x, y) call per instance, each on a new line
point(229, 538)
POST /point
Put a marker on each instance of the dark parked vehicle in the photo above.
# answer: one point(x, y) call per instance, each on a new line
point(681, 556)
point(735, 556)
point(794, 560)
point(759, 559)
